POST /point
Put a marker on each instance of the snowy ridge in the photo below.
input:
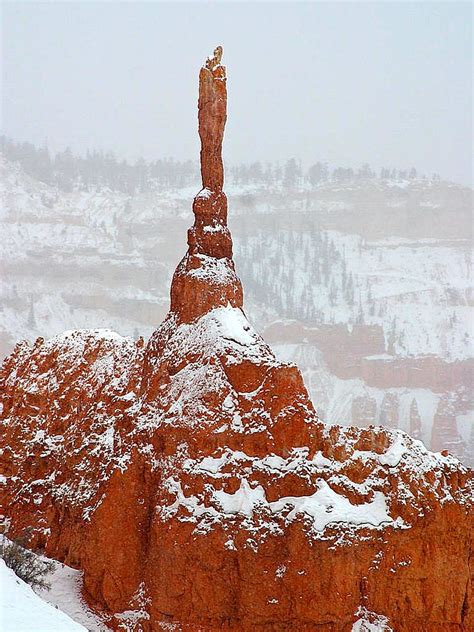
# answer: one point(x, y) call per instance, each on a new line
point(324, 507)
point(224, 331)
point(355, 491)
point(220, 339)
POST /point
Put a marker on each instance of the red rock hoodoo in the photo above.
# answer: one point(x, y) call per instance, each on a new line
point(194, 485)
point(206, 277)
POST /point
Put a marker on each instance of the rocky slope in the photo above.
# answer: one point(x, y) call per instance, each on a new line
point(192, 481)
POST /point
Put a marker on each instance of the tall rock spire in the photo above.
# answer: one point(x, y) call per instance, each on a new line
point(205, 278)
point(212, 116)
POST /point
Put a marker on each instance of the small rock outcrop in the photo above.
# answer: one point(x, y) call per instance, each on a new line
point(192, 482)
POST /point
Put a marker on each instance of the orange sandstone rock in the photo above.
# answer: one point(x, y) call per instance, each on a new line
point(206, 277)
point(194, 485)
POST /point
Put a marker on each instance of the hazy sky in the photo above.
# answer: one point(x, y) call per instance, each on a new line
point(384, 83)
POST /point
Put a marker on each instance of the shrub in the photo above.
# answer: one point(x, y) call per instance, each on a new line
point(26, 564)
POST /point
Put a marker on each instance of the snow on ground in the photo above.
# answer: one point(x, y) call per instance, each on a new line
point(22, 610)
point(65, 594)
point(59, 609)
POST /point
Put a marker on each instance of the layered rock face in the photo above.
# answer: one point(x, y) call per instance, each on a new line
point(193, 483)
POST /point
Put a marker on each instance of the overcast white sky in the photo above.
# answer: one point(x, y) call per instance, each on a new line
point(384, 83)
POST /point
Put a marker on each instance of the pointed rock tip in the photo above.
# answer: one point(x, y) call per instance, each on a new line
point(214, 60)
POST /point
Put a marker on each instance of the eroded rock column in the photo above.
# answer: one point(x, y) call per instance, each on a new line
point(205, 278)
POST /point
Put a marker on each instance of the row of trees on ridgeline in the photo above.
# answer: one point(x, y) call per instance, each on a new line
point(67, 171)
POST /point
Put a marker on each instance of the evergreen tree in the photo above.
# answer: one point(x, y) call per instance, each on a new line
point(365, 172)
point(392, 337)
point(256, 172)
point(31, 321)
point(350, 290)
point(415, 420)
point(389, 410)
point(102, 169)
point(268, 177)
point(344, 274)
point(342, 174)
point(292, 174)
point(333, 294)
point(317, 173)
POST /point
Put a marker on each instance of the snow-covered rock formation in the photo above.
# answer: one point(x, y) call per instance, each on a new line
point(193, 483)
